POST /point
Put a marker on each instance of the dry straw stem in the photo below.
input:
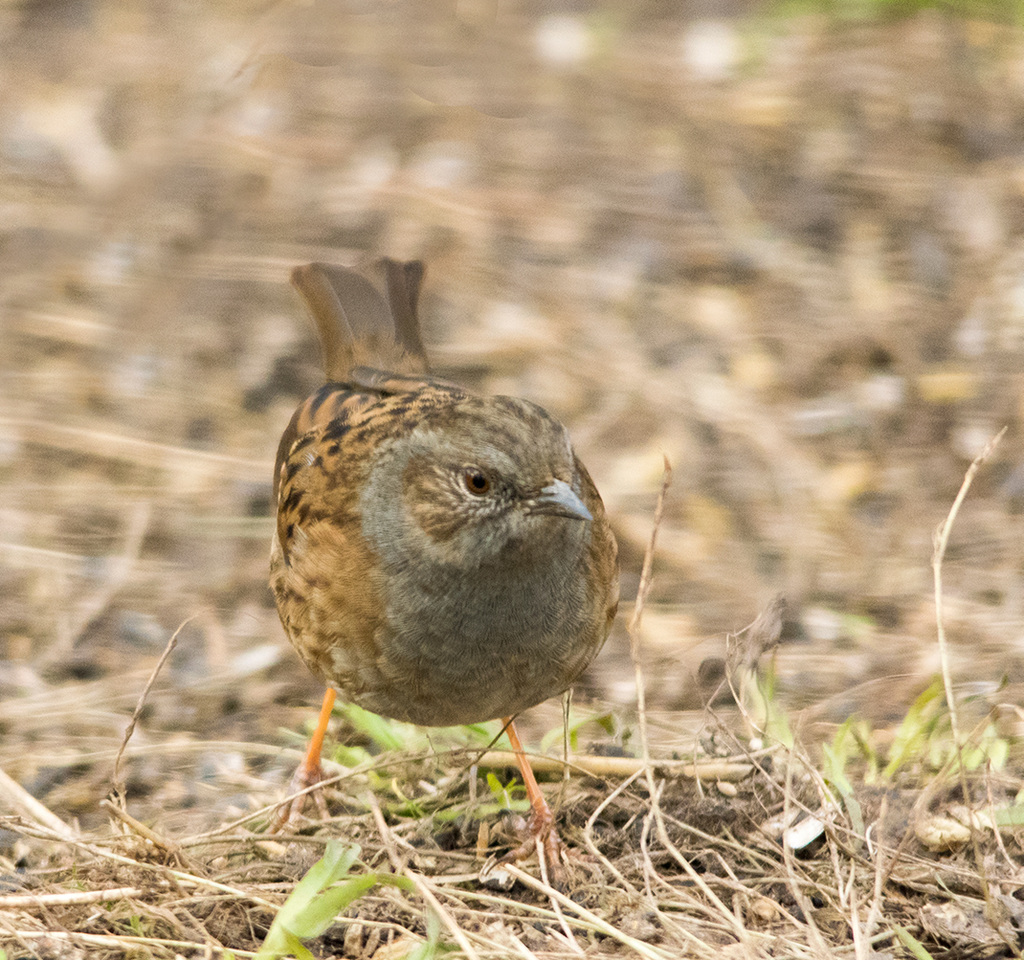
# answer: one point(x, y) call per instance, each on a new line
point(435, 905)
point(653, 788)
point(18, 798)
point(123, 944)
point(938, 554)
point(118, 446)
point(391, 843)
point(795, 882)
point(590, 920)
point(614, 767)
point(941, 541)
point(181, 877)
point(66, 899)
point(633, 627)
point(654, 791)
point(588, 834)
point(140, 829)
point(119, 787)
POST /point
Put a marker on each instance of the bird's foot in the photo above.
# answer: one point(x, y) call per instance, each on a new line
point(539, 835)
point(536, 835)
point(306, 775)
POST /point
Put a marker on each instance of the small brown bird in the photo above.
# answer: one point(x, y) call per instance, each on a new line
point(439, 558)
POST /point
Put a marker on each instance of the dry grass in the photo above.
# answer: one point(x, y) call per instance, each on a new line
point(663, 867)
point(720, 861)
point(784, 252)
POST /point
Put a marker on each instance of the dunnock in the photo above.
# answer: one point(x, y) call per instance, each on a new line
point(439, 557)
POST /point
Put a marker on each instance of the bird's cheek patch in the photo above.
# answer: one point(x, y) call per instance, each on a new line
point(430, 503)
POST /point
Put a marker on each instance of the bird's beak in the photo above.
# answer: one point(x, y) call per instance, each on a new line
point(560, 500)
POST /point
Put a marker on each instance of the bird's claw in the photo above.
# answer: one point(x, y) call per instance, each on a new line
point(305, 776)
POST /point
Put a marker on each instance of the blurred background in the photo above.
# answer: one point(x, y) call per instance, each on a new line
point(782, 244)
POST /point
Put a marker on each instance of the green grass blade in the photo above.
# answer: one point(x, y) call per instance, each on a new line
point(315, 902)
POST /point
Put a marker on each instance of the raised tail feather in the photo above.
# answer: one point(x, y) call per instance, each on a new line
point(366, 316)
point(369, 338)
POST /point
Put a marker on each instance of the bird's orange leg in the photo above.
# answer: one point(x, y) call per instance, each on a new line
point(310, 771)
point(542, 820)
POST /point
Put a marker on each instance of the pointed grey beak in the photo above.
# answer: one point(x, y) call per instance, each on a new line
point(560, 500)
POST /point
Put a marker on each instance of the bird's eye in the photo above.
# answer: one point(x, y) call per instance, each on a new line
point(477, 482)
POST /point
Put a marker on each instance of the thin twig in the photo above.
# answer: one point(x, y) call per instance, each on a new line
point(728, 917)
point(164, 872)
point(815, 938)
point(938, 554)
point(391, 842)
point(860, 948)
point(121, 943)
point(387, 836)
point(68, 899)
point(140, 829)
point(645, 950)
point(447, 920)
point(588, 833)
point(117, 445)
point(633, 627)
point(20, 799)
point(614, 767)
point(119, 784)
point(562, 922)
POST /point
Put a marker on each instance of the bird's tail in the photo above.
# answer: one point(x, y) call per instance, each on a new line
point(365, 316)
